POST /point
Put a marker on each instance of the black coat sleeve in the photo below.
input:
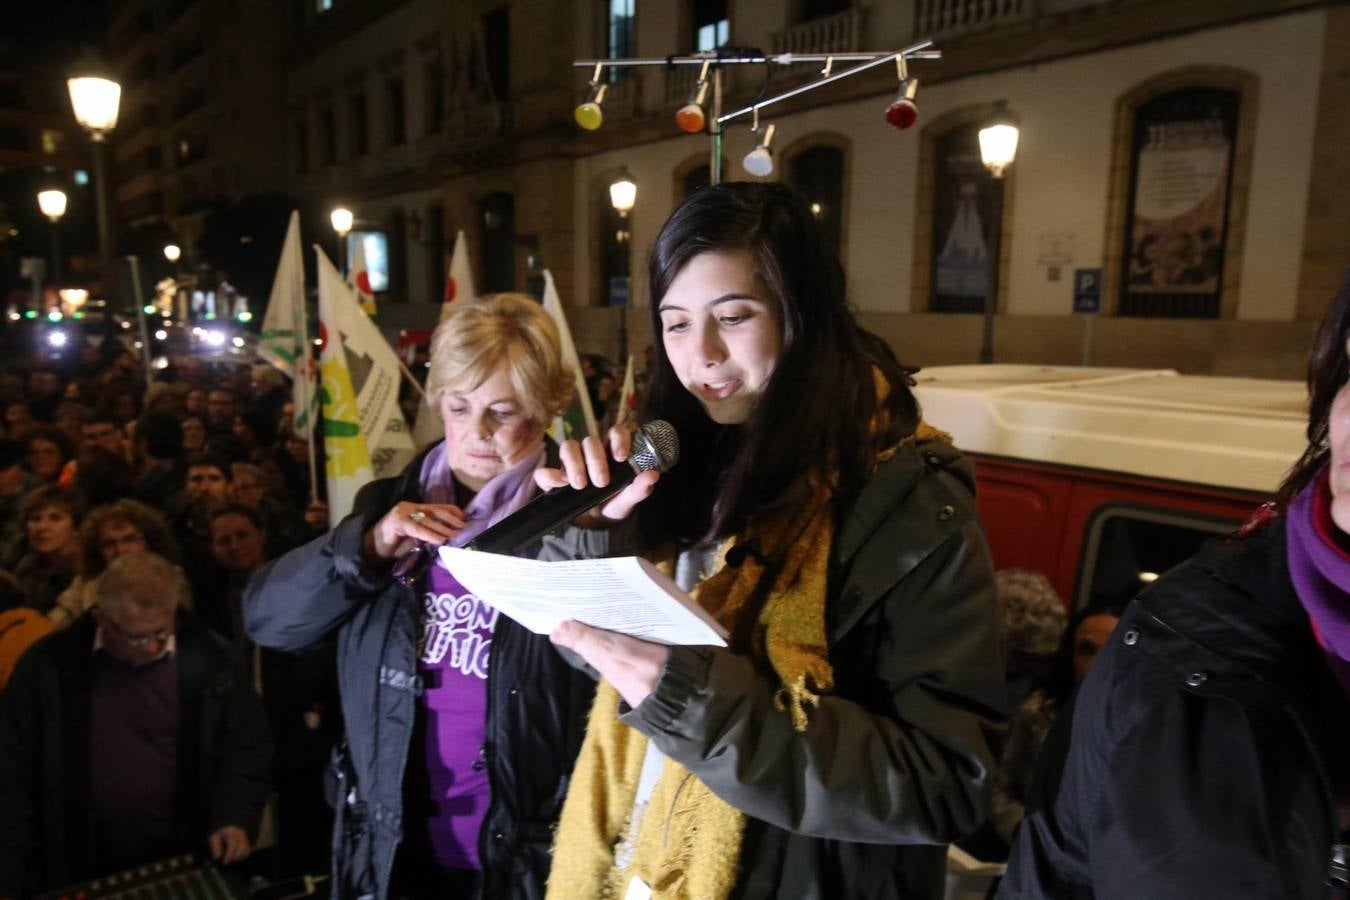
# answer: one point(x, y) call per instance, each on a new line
point(20, 734)
point(299, 599)
point(241, 746)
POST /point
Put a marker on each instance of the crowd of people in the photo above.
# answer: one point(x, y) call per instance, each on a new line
point(138, 719)
point(195, 660)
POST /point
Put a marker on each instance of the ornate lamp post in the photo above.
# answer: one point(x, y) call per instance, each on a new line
point(53, 205)
point(95, 100)
point(998, 149)
point(622, 196)
point(342, 218)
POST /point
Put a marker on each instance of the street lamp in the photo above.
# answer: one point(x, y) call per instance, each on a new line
point(623, 196)
point(341, 217)
point(95, 100)
point(172, 252)
point(53, 205)
point(998, 149)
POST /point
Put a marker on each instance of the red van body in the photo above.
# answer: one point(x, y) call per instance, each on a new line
point(1102, 478)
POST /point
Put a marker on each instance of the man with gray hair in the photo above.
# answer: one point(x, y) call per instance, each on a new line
point(130, 736)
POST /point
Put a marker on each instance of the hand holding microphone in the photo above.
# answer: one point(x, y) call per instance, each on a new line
point(591, 488)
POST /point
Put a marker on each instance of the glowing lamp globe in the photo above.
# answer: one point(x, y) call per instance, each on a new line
point(52, 203)
point(623, 194)
point(341, 218)
point(902, 114)
point(95, 101)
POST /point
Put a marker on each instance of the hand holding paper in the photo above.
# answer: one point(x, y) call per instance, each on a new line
point(624, 594)
point(631, 664)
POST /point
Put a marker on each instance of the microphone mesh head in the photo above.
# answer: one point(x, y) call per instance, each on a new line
point(655, 446)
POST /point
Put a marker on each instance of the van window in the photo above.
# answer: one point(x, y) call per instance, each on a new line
point(1128, 547)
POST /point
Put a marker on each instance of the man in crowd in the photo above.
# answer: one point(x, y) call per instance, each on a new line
point(101, 431)
point(159, 444)
point(130, 736)
point(221, 408)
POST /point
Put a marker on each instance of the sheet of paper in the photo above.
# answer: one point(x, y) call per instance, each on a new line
point(621, 594)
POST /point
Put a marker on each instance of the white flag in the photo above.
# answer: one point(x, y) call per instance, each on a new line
point(284, 341)
point(369, 358)
point(459, 283)
point(346, 455)
point(359, 278)
point(577, 420)
point(428, 427)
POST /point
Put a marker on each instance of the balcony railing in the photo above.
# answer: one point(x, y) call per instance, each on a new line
point(839, 33)
point(939, 19)
point(143, 206)
point(475, 121)
point(189, 104)
point(680, 81)
point(185, 54)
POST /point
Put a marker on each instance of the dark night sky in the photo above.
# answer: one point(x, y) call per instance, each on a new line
point(51, 31)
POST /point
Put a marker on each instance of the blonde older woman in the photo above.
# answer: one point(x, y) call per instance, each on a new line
point(461, 727)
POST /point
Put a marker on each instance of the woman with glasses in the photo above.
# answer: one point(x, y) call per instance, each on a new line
point(107, 533)
point(454, 768)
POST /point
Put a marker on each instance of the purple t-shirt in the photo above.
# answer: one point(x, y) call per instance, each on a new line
point(453, 651)
point(453, 661)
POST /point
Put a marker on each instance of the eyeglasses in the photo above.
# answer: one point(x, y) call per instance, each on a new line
point(123, 543)
point(139, 641)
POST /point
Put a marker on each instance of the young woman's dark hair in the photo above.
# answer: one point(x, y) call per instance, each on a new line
point(816, 412)
point(1328, 369)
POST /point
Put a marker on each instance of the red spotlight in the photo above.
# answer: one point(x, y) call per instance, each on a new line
point(903, 111)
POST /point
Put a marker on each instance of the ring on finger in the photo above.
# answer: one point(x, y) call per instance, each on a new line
point(417, 516)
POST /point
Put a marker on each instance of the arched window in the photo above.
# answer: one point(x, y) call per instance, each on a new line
point(1181, 172)
point(967, 203)
point(1180, 176)
point(692, 173)
point(817, 174)
point(497, 215)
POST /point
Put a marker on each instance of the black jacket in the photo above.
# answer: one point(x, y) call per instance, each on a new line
point(224, 753)
point(1204, 751)
point(898, 757)
point(537, 703)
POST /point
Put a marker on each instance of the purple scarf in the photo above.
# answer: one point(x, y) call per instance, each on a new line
point(505, 493)
point(1320, 571)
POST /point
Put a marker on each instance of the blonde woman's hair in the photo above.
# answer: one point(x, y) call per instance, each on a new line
point(502, 330)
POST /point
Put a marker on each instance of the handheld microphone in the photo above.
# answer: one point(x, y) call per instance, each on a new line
point(655, 446)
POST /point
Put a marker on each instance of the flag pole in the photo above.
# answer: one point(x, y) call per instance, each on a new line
point(308, 358)
point(403, 367)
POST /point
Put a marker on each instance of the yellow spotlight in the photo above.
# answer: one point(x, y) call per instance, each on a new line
point(589, 115)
